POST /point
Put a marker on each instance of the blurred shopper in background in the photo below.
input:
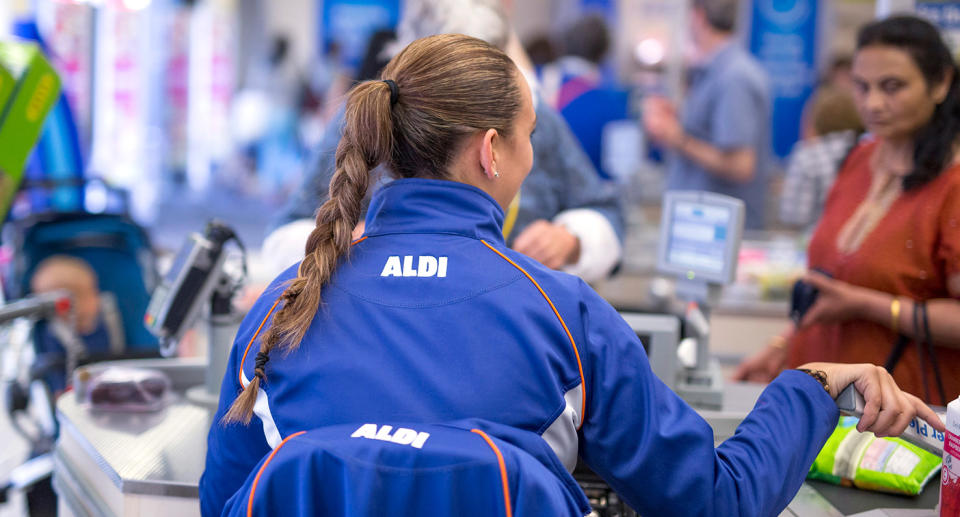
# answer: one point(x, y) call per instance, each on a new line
point(266, 120)
point(576, 86)
point(584, 45)
point(832, 128)
point(889, 238)
point(376, 56)
point(835, 80)
point(722, 140)
point(564, 216)
point(279, 152)
point(542, 51)
point(327, 81)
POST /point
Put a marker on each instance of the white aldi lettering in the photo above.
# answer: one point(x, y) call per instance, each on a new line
point(425, 266)
point(402, 435)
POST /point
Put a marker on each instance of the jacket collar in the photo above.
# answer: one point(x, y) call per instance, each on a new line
point(434, 206)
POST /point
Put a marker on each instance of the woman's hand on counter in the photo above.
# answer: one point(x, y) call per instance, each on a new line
point(836, 301)
point(888, 410)
point(764, 365)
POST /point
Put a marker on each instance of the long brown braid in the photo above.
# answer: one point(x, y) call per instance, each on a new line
point(445, 88)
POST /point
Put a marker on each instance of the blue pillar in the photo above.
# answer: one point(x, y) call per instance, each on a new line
point(606, 7)
point(783, 37)
point(351, 22)
point(946, 16)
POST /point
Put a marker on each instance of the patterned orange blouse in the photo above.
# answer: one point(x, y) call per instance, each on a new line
point(912, 252)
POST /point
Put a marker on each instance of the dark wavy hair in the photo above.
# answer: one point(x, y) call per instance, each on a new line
point(934, 142)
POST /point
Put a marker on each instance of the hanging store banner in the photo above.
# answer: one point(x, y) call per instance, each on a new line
point(946, 16)
point(783, 37)
point(608, 8)
point(350, 23)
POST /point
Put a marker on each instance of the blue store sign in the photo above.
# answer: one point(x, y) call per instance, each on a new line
point(946, 16)
point(351, 22)
point(783, 37)
point(607, 8)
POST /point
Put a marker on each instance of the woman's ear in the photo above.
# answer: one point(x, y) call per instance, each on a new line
point(488, 156)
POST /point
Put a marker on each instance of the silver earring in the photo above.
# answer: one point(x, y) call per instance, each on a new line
point(496, 174)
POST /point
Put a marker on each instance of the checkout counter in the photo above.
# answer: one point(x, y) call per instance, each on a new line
point(113, 464)
point(121, 464)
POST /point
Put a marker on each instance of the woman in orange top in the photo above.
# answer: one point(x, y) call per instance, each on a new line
point(889, 237)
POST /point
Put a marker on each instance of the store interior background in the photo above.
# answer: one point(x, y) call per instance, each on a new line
point(170, 120)
point(171, 101)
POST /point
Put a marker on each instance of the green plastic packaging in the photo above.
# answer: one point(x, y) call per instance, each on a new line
point(851, 458)
point(29, 87)
point(6, 86)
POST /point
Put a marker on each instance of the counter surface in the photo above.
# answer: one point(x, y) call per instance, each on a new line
point(162, 454)
point(154, 454)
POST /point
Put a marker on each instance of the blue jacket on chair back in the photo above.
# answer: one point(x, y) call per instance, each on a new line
point(460, 469)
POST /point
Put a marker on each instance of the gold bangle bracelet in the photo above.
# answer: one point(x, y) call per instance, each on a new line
point(895, 315)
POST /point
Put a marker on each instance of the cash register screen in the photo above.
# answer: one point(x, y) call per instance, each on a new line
point(179, 262)
point(700, 236)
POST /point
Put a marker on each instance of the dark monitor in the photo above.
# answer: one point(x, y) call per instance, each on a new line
point(659, 334)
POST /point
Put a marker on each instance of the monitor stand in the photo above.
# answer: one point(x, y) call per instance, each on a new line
point(701, 385)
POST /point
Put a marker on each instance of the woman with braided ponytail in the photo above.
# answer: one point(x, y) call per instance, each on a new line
point(430, 318)
point(367, 142)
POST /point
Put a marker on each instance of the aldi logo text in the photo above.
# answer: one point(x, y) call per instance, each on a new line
point(425, 266)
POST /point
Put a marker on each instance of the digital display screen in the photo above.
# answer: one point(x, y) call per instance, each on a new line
point(179, 262)
point(698, 236)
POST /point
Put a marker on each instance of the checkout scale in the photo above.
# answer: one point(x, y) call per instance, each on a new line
point(149, 464)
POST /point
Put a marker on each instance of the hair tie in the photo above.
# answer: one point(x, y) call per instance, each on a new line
point(394, 92)
point(262, 359)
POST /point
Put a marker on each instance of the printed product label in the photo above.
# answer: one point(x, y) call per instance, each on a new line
point(950, 477)
point(951, 445)
point(919, 429)
point(876, 455)
point(902, 462)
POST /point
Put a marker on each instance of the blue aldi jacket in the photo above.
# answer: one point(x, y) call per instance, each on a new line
point(433, 319)
point(462, 468)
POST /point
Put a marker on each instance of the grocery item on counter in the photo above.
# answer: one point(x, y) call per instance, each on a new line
point(862, 460)
point(125, 390)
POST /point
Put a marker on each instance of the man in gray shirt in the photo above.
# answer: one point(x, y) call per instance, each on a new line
point(722, 142)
